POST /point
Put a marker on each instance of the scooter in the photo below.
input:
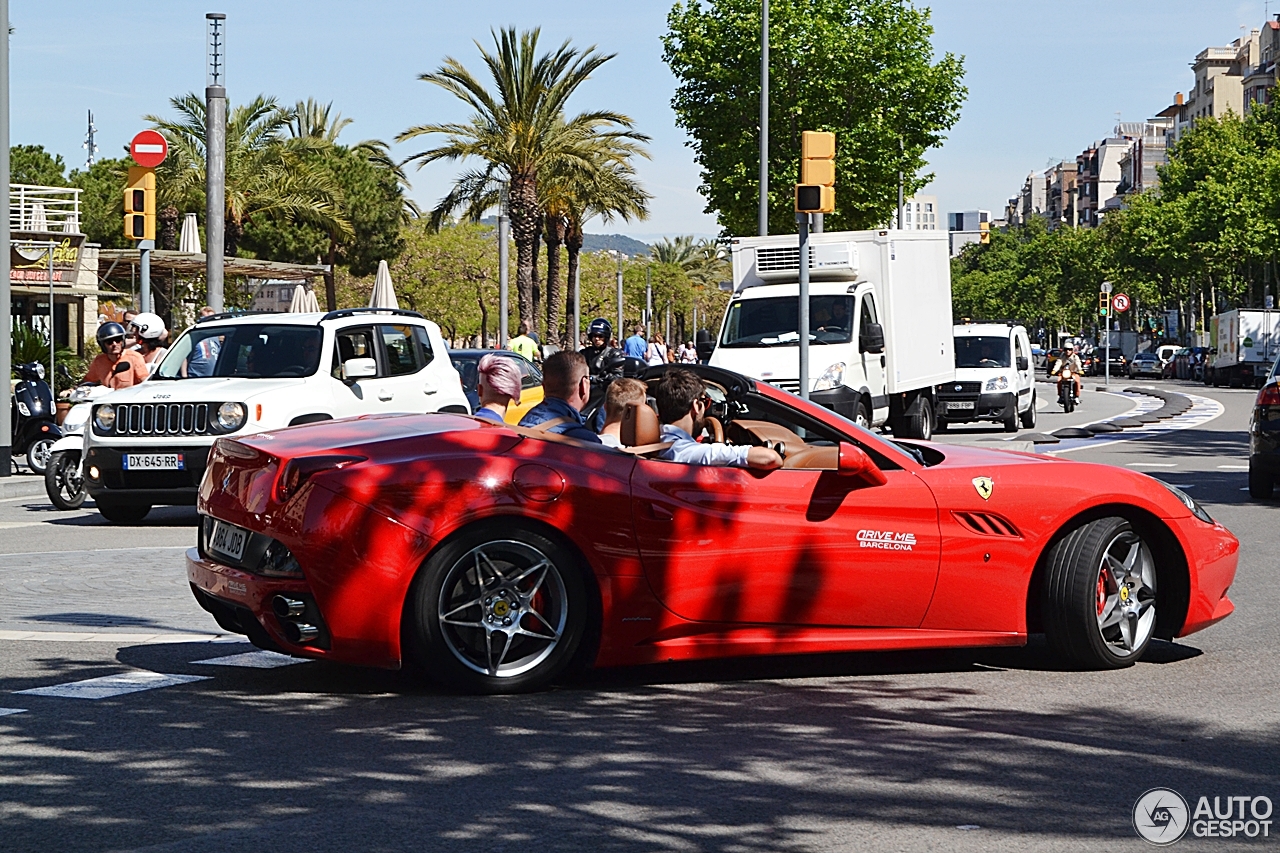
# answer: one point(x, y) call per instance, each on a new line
point(64, 478)
point(1067, 390)
point(34, 427)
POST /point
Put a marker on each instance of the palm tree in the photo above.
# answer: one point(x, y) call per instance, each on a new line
point(264, 172)
point(518, 132)
point(682, 251)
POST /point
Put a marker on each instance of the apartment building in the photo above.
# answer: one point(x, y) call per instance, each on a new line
point(1149, 141)
point(1030, 202)
point(1219, 80)
point(920, 213)
point(1261, 78)
point(967, 226)
point(1060, 194)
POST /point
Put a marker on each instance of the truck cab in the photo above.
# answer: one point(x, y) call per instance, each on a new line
point(995, 379)
point(239, 375)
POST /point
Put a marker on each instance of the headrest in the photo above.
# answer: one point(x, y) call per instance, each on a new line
point(639, 426)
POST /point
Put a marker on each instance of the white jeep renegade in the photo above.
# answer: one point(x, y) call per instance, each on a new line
point(233, 375)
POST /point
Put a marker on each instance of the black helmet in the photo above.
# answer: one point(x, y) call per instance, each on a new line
point(600, 326)
point(107, 331)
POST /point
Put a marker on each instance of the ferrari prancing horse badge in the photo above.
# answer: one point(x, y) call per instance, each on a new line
point(984, 485)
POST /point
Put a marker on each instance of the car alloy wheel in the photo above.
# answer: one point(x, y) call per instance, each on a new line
point(499, 609)
point(1099, 595)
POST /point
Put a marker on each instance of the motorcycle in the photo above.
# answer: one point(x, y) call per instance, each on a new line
point(1067, 390)
point(34, 427)
point(64, 478)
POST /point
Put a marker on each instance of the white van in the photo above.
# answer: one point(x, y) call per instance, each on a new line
point(995, 379)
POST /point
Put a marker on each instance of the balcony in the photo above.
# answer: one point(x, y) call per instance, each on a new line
point(44, 210)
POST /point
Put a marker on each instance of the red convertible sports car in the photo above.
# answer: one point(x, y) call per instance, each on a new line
point(498, 558)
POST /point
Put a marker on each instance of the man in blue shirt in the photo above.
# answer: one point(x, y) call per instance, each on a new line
point(636, 346)
point(566, 386)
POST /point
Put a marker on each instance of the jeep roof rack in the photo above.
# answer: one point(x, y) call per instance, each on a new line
point(231, 315)
point(351, 312)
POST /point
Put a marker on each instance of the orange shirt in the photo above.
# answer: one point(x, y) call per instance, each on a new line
point(101, 371)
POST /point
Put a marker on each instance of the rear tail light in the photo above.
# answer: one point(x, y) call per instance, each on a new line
point(298, 471)
point(1269, 395)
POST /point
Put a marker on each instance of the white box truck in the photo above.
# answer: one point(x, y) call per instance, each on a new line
point(880, 331)
point(1248, 342)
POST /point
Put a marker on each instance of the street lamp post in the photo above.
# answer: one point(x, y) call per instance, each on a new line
point(215, 172)
point(6, 321)
point(618, 330)
point(764, 118)
point(504, 229)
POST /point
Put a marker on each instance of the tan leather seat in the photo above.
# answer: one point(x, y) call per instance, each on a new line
point(639, 426)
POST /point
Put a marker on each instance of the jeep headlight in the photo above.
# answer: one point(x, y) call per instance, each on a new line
point(104, 417)
point(231, 416)
point(997, 383)
point(832, 377)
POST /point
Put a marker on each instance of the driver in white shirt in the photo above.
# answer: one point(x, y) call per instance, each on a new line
point(682, 408)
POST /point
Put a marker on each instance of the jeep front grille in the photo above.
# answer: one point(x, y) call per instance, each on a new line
point(163, 419)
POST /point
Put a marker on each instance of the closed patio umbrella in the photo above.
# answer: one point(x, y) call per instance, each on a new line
point(384, 295)
point(189, 239)
point(298, 304)
point(312, 304)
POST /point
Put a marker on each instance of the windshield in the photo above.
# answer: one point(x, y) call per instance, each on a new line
point(982, 352)
point(251, 351)
point(773, 321)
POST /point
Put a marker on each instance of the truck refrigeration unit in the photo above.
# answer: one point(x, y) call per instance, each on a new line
point(880, 328)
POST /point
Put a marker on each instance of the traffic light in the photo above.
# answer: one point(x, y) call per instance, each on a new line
point(984, 233)
point(816, 191)
point(1104, 304)
point(140, 204)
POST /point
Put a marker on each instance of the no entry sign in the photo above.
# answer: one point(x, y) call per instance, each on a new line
point(148, 149)
point(1120, 302)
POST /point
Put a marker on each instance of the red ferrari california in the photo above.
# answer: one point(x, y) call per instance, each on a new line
point(498, 558)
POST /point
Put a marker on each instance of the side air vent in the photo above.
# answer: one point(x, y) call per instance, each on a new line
point(986, 523)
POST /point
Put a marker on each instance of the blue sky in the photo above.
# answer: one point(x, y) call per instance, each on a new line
point(1045, 78)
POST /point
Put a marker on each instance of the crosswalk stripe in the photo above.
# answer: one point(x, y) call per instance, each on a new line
point(112, 685)
point(4, 712)
point(252, 660)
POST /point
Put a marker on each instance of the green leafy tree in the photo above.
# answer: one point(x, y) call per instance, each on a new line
point(101, 202)
point(31, 164)
point(864, 69)
point(517, 132)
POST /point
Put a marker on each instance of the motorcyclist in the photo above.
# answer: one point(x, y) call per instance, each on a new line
point(150, 332)
point(105, 368)
point(603, 361)
point(1070, 359)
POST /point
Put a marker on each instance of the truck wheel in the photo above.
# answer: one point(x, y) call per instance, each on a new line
point(940, 425)
point(919, 425)
point(122, 513)
point(1011, 422)
point(1099, 595)
point(1029, 416)
point(863, 417)
point(1261, 483)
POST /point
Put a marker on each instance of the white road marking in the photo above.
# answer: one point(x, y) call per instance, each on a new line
point(4, 554)
point(253, 660)
point(1203, 410)
point(113, 685)
point(4, 712)
point(121, 637)
point(1233, 467)
point(1151, 465)
point(14, 525)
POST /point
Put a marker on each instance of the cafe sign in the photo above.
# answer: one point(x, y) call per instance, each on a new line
point(29, 260)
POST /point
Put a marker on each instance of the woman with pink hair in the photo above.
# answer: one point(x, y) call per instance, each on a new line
point(498, 384)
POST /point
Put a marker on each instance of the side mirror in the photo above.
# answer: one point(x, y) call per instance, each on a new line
point(854, 462)
point(358, 368)
point(872, 339)
point(122, 367)
point(1023, 364)
point(704, 344)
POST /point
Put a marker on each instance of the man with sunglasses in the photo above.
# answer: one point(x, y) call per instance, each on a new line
point(105, 368)
point(682, 409)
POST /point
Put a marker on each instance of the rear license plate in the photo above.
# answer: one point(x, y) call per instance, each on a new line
point(154, 462)
point(959, 405)
point(228, 539)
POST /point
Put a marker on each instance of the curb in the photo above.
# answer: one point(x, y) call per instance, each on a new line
point(1174, 404)
point(21, 486)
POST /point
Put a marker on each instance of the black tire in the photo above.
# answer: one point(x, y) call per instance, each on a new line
point(1261, 483)
point(118, 513)
point(863, 417)
point(558, 609)
point(63, 480)
point(919, 425)
point(940, 425)
point(1011, 422)
point(1029, 416)
point(1102, 572)
point(38, 455)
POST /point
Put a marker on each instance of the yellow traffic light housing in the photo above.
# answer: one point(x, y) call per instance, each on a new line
point(816, 191)
point(1104, 304)
point(140, 204)
point(984, 233)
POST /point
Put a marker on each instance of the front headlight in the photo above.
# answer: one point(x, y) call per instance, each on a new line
point(104, 417)
point(231, 416)
point(1189, 502)
point(74, 421)
point(997, 383)
point(832, 377)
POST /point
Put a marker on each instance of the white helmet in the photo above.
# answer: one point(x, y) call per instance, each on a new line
point(150, 326)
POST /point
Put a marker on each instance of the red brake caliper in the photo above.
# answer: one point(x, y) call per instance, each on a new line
point(1102, 590)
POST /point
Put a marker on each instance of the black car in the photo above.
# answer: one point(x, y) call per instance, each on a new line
point(467, 363)
point(1264, 437)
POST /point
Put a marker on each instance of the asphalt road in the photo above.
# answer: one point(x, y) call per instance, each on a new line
point(988, 750)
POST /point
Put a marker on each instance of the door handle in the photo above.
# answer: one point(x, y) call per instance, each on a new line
point(384, 395)
point(659, 513)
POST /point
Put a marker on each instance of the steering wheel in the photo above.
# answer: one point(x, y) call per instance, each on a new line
point(987, 362)
point(716, 429)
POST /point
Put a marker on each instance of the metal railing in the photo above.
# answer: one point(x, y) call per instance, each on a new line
point(44, 210)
